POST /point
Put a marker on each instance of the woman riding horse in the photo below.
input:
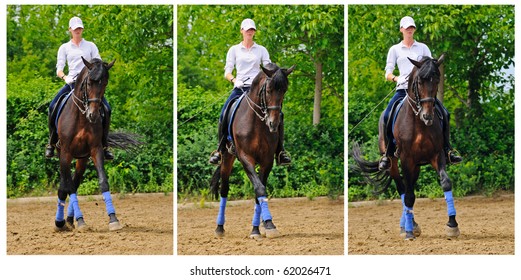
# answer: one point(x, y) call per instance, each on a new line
point(398, 54)
point(72, 53)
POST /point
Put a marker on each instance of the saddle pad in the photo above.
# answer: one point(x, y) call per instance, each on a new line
point(58, 108)
point(233, 108)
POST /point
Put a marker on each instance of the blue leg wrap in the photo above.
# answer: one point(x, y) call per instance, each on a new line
point(70, 210)
point(256, 215)
point(60, 210)
point(222, 208)
point(265, 212)
point(73, 200)
point(108, 203)
point(408, 219)
point(450, 203)
point(402, 218)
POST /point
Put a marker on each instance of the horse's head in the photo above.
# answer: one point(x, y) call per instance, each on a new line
point(94, 79)
point(272, 93)
point(423, 84)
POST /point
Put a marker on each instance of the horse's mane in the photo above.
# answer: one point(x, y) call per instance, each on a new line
point(278, 79)
point(98, 71)
point(429, 69)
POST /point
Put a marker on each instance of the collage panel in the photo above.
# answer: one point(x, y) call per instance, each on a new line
point(260, 130)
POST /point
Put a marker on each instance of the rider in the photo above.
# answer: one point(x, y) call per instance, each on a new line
point(398, 54)
point(71, 53)
point(246, 57)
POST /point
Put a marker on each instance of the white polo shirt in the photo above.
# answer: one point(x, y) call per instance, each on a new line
point(398, 55)
point(246, 61)
point(72, 54)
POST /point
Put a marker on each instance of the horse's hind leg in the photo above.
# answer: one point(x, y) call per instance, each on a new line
point(226, 169)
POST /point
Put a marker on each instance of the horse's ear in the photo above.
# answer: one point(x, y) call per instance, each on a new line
point(441, 59)
point(288, 71)
point(88, 64)
point(268, 72)
point(111, 64)
point(416, 63)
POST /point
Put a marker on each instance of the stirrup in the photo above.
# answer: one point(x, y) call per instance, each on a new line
point(381, 162)
point(215, 153)
point(280, 156)
point(455, 153)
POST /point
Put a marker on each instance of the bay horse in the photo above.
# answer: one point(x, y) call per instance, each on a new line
point(255, 134)
point(80, 137)
point(418, 133)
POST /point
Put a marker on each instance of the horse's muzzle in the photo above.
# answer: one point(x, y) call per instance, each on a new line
point(92, 117)
point(273, 126)
point(427, 119)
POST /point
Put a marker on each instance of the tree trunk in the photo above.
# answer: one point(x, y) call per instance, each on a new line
point(441, 86)
point(318, 93)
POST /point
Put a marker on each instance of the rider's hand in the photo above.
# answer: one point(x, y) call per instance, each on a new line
point(69, 80)
point(238, 83)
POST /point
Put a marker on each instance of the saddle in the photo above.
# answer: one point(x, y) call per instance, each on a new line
point(229, 116)
point(57, 109)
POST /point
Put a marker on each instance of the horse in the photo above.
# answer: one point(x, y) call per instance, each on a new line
point(254, 133)
point(80, 137)
point(417, 131)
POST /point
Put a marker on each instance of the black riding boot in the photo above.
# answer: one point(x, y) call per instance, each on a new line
point(106, 125)
point(53, 138)
point(450, 153)
point(385, 160)
point(282, 157)
point(215, 157)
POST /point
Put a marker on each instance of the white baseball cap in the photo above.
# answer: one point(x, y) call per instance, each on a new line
point(405, 22)
point(248, 24)
point(75, 22)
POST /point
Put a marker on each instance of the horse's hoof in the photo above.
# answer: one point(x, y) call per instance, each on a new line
point(416, 230)
point(115, 226)
point(61, 226)
point(409, 235)
point(272, 233)
point(219, 231)
point(452, 232)
point(82, 226)
point(255, 233)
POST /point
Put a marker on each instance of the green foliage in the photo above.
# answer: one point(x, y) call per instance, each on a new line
point(140, 38)
point(294, 35)
point(477, 90)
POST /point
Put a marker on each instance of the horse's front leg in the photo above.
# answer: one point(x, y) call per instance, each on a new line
point(64, 189)
point(73, 210)
point(264, 172)
point(99, 160)
point(446, 185)
point(411, 171)
point(261, 198)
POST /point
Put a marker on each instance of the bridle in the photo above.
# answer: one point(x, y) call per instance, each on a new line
point(417, 100)
point(263, 107)
point(85, 100)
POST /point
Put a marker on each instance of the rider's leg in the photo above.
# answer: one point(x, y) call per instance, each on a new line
point(106, 126)
point(215, 157)
point(385, 160)
point(53, 135)
point(282, 157)
point(450, 153)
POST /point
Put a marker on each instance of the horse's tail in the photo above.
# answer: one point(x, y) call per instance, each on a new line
point(214, 184)
point(379, 179)
point(124, 140)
